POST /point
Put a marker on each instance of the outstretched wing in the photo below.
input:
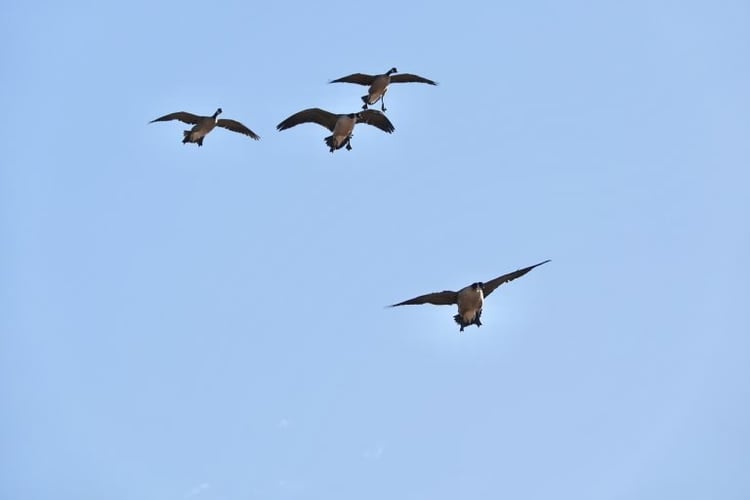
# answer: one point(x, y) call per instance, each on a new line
point(312, 115)
point(376, 119)
point(408, 78)
point(358, 78)
point(489, 287)
point(444, 298)
point(236, 126)
point(180, 115)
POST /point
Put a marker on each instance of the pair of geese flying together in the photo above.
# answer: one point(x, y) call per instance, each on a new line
point(341, 126)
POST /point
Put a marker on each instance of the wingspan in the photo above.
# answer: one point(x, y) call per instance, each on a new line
point(180, 115)
point(311, 115)
point(490, 286)
point(444, 298)
point(236, 126)
point(358, 78)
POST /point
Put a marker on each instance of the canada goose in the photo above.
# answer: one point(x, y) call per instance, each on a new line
point(379, 84)
point(470, 299)
point(341, 126)
point(204, 125)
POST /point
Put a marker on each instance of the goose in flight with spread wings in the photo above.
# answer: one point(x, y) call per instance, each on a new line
point(379, 84)
point(469, 299)
point(341, 126)
point(205, 124)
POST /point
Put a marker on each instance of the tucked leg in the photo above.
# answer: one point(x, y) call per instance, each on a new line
point(460, 321)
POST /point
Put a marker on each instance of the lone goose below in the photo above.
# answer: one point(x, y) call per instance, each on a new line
point(341, 126)
point(205, 124)
point(379, 84)
point(470, 299)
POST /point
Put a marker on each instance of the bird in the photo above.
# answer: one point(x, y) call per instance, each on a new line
point(469, 299)
point(205, 124)
point(379, 84)
point(341, 126)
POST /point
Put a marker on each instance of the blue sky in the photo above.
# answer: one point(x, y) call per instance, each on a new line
point(208, 323)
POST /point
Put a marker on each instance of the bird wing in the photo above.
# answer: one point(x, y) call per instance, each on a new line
point(408, 77)
point(236, 126)
point(312, 115)
point(180, 115)
point(358, 78)
point(377, 119)
point(489, 287)
point(444, 298)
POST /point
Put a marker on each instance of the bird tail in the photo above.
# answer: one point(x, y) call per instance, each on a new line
point(460, 321)
point(457, 318)
point(331, 143)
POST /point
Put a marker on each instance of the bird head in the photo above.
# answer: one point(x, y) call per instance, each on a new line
point(476, 286)
point(218, 112)
point(392, 70)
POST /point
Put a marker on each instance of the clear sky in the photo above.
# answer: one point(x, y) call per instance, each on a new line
point(208, 323)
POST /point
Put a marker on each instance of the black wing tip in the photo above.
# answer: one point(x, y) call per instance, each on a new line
point(404, 303)
point(251, 134)
point(343, 79)
point(534, 266)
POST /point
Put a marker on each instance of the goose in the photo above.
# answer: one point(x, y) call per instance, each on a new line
point(379, 84)
point(205, 124)
point(469, 299)
point(341, 126)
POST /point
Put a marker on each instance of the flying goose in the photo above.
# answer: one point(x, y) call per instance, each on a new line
point(341, 126)
point(379, 84)
point(470, 299)
point(205, 124)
